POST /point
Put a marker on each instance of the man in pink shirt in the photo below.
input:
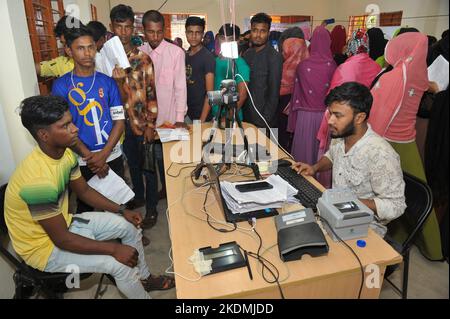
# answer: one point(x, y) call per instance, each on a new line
point(171, 92)
point(169, 62)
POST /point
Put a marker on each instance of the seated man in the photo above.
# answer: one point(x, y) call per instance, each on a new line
point(43, 232)
point(361, 160)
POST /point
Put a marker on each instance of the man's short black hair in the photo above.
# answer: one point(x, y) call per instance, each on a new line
point(72, 34)
point(152, 16)
point(354, 94)
point(97, 29)
point(195, 21)
point(262, 18)
point(65, 23)
point(229, 30)
point(121, 13)
point(38, 112)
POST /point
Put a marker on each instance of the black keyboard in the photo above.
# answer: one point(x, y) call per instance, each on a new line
point(307, 194)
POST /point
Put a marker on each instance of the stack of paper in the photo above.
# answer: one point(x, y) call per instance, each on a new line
point(438, 72)
point(168, 135)
point(112, 187)
point(110, 55)
point(276, 197)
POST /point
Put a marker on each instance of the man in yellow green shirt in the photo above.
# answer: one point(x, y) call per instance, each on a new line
point(62, 64)
point(43, 232)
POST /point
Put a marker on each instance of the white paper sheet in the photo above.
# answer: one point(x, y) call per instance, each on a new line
point(111, 54)
point(438, 72)
point(168, 135)
point(112, 187)
point(281, 193)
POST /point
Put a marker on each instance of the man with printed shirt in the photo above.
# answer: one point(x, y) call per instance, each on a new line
point(96, 108)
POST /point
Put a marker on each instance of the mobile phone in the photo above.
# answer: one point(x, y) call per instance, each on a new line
point(251, 187)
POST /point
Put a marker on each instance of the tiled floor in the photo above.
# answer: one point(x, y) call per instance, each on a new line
point(426, 280)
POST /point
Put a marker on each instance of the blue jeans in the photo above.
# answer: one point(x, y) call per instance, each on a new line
point(101, 227)
point(131, 150)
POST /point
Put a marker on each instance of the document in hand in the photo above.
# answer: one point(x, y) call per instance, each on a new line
point(112, 187)
point(110, 55)
point(168, 135)
point(438, 72)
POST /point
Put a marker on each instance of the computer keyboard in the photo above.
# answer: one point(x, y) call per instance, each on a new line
point(307, 194)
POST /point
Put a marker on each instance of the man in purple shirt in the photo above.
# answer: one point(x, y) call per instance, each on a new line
point(171, 92)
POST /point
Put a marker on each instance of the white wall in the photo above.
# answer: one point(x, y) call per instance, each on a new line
point(18, 76)
point(7, 164)
point(411, 10)
point(83, 8)
point(17, 81)
point(319, 9)
point(103, 10)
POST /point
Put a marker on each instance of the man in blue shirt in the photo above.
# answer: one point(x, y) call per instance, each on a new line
point(96, 109)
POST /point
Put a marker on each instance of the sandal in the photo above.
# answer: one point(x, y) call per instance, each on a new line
point(149, 221)
point(158, 283)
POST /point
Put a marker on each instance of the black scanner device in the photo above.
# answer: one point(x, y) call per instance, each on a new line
point(298, 233)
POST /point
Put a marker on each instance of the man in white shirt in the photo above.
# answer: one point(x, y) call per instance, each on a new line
point(360, 159)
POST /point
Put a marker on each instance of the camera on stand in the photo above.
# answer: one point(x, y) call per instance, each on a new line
point(227, 98)
point(227, 94)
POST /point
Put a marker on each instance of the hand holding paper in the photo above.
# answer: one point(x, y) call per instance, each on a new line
point(111, 54)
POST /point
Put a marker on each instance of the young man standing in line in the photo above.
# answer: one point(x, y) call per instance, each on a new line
point(200, 67)
point(96, 109)
point(223, 68)
point(170, 79)
point(61, 65)
point(265, 77)
point(137, 88)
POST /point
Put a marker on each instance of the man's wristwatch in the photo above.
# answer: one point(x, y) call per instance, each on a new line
point(122, 209)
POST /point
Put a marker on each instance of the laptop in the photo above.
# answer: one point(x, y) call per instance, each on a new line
point(213, 177)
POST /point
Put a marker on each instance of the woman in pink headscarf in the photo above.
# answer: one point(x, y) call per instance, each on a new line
point(396, 99)
point(294, 51)
point(308, 99)
point(359, 67)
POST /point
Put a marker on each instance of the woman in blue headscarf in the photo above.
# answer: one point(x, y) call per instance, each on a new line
point(208, 41)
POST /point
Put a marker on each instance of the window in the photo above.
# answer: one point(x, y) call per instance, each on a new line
point(41, 16)
point(357, 22)
point(390, 19)
point(385, 19)
point(174, 25)
point(94, 13)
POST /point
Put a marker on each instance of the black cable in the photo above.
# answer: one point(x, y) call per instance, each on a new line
point(222, 230)
point(353, 252)
point(179, 172)
point(265, 264)
point(162, 5)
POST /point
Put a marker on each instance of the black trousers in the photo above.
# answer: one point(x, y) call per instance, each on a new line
point(116, 165)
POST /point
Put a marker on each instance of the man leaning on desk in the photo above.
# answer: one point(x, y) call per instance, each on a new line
point(361, 160)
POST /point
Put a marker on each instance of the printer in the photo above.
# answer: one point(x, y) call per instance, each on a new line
point(345, 214)
point(298, 233)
